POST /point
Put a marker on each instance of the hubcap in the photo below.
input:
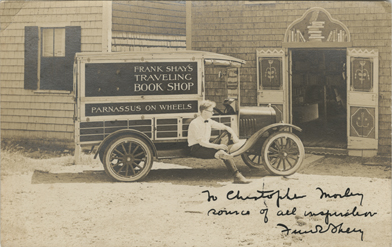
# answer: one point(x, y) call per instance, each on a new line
point(128, 159)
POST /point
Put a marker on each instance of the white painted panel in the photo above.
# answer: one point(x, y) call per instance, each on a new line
point(270, 96)
point(363, 99)
point(362, 143)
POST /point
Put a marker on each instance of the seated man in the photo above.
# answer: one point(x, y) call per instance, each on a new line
point(199, 134)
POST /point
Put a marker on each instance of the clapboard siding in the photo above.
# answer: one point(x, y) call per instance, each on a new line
point(65, 115)
point(35, 105)
point(127, 41)
point(148, 25)
point(238, 29)
point(29, 113)
point(36, 119)
point(149, 17)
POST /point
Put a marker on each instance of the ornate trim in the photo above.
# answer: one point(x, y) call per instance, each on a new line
point(315, 9)
point(362, 52)
point(269, 52)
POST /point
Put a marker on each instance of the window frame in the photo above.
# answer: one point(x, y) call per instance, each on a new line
point(41, 39)
point(39, 59)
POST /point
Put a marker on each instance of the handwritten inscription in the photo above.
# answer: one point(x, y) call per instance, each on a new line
point(264, 194)
point(319, 229)
point(327, 214)
point(279, 196)
point(226, 212)
point(347, 193)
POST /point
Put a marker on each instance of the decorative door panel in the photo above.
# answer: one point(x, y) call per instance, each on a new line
point(271, 80)
point(362, 122)
point(362, 99)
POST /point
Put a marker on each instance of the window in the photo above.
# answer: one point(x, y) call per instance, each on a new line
point(53, 42)
point(49, 57)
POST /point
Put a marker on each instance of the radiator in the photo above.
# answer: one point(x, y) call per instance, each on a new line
point(247, 127)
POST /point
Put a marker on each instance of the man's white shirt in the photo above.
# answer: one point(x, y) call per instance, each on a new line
point(200, 131)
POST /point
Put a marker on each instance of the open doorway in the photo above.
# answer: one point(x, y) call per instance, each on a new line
point(318, 97)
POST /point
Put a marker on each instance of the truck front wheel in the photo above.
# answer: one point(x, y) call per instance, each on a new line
point(283, 153)
point(128, 159)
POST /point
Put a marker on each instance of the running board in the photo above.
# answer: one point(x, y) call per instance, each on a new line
point(321, 150)
point(174, 153)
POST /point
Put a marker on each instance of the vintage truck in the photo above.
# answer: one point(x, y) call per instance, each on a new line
point(132, 107)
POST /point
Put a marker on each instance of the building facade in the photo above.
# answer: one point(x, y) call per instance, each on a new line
point(325, 65)
point(37, 46)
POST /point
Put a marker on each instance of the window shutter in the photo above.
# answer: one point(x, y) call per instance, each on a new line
point(72, 45)
point(31, 58)
point(57, 72)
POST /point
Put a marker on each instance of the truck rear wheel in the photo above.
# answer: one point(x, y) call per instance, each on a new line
point(253, 156)
point(128, 159)
point(252, 159)
point(283, 153)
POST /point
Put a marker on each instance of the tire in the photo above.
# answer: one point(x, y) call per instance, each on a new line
point(283, 150)
point(100, 155)
point(252, 159)
point(128, 159)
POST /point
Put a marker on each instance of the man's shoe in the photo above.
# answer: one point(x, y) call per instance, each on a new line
point(239, 179)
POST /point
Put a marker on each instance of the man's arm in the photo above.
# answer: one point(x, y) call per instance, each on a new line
point(221, 126)
point(213, 145)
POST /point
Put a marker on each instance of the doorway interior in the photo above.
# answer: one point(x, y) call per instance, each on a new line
point(318, 97)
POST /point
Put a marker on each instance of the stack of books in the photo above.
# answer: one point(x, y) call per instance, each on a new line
point(315, 34)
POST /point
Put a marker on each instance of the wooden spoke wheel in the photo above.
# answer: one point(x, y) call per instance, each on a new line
point(253, 159)
point(128, 159)
point(283, 153)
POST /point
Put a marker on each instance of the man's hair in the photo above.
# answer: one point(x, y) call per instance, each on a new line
point(206, 104)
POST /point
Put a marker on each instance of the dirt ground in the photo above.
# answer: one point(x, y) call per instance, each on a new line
point(46, 200)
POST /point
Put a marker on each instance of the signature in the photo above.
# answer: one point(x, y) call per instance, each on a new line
point(319, 229)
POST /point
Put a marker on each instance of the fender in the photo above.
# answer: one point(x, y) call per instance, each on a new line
point(126, 131)
point(252, 140)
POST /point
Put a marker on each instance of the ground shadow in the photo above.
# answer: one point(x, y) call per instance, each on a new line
point(42, 177)
point(202, 177)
